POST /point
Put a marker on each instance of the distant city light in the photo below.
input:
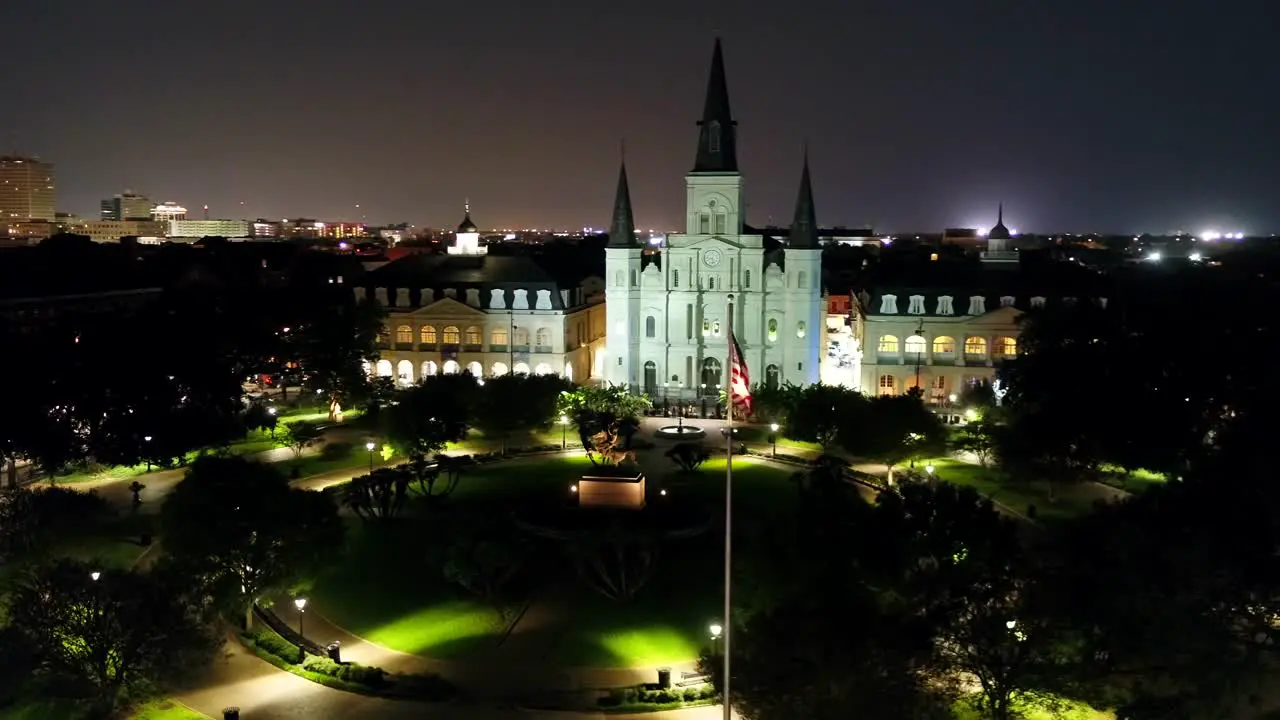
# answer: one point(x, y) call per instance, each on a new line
point(1195, 257)
point(1153, 257)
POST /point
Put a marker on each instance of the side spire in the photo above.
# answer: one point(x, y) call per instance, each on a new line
point(999, 232)
point(466, 226)
point(622, 229)
point(717, 135)
point(804, 227)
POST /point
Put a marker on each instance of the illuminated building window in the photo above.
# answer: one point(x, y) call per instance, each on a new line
point(1006, 346)
point(542, 338)
point(452, 336)
point(498, 337)
point(800, 329)
point(887, 385)
point(404, 334)
point(773, 330)
point(975, 346)
point(706, 327)
point(944, 345)
point(888, 345)
point(715, 328)
point(474, 336)
point(915, 345)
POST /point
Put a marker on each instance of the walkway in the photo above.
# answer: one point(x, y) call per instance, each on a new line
point(263, 692)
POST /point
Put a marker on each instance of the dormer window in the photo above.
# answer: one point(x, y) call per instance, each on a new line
point(889, 304)
point(1037, 302)
point(977, 305)
point(1006, 301)
point(944, 305)
point(916, 305)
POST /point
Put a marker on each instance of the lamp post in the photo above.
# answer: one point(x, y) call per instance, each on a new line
point(564, 428)
point(147, 439)
point(370, 446)
point(95, 575)
point(301, 604)
point(928, 469)
point(716, 629)
point(773, 438)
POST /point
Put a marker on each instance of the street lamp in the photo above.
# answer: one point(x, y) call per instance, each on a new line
point(147, 438)
point(773, 428)
point(271, 411)
point(370, 446)
point(951, 398)
point(564, 427)
point(301, 604)
point(929, 471)
point(716, 629)
point(95, 575)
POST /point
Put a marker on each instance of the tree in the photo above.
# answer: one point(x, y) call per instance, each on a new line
point(896, 428)
point(259, 417)
point(333, 342)
point(775, 404)
point(617, 560)
point(429, 416)
point(978, 437)
point(821, 413)
point(484, 558)
point(497, 416)
point(116, 630)
point(606, 417)
point(300, 435)
point(380, 495)
point(688, 455)
point(241, 527)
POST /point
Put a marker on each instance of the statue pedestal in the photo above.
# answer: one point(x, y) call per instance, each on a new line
point(618, 491)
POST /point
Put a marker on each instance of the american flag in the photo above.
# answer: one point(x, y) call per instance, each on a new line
point(739, 380)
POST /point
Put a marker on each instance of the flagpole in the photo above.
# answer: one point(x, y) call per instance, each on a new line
point(728, 514)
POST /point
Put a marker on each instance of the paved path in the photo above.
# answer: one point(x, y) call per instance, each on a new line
point(264, 692)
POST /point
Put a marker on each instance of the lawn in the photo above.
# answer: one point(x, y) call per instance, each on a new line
point(399, 599)
point(65, 709)
point(759, 435)
point(1018, 495)
point(1058, 709)
point(1134, 481)
point(165, 710)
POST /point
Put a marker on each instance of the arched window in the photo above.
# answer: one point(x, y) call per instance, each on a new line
point(746, 279)
point(568, 372)
point(542, 369)
point(520, 338)
point(384, 368)
point(542, 339)
point(635, 278)
point(773, 330)
point(887, 385)
point(452, 336)
point(650, 376)
point(617, 278)
point(915, 345)
point(499, 369)
point(451, 367)
point(429, 368)
point(675, 278)
point(772, 377)
point(800, 329)
point(404, 373)
point(975, 346)
point(802, 280)
point(427, 335)
point(474, 337)
point(888, 345)
point(706, 327)
point(722, 222)
point(404, 335)
point(713, 136)
point(650, 327)
point(476, 369)
point(1006, 346)
point(520, 369)
point(715, 328)
point(710, 376)
point(498, 337)
point(943, 345)
point(711, 283)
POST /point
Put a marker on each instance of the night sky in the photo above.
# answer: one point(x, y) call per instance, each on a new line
point(1090, 115)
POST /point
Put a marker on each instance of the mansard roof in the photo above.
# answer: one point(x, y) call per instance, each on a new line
point(961, 280)
point(440, 271)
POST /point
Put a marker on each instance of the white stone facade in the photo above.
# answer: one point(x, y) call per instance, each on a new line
point(668, 319)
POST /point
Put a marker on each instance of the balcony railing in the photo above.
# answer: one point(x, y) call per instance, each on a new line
point(404, 346)
point(476, 347)
point(427, 347)
point(542, 348)
point(497, 348)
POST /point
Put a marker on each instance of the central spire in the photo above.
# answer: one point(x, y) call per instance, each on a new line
point(804, 227)
point(622, 230)
point(717, 137)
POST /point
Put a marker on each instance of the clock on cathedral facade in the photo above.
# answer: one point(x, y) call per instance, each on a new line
point(669, 315)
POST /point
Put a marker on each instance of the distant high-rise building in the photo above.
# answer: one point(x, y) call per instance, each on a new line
point(165, 212)
point(128, 205)
point(26, 189)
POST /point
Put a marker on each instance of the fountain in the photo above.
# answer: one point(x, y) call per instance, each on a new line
point(680, 431)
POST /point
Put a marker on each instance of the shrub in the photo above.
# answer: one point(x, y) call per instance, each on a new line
point(346, 672)
point(336, 451)
point(269, 641)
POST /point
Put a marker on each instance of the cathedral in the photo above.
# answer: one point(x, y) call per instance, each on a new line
point(669, 314)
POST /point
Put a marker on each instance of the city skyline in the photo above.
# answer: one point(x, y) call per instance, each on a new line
point(1078, 119)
